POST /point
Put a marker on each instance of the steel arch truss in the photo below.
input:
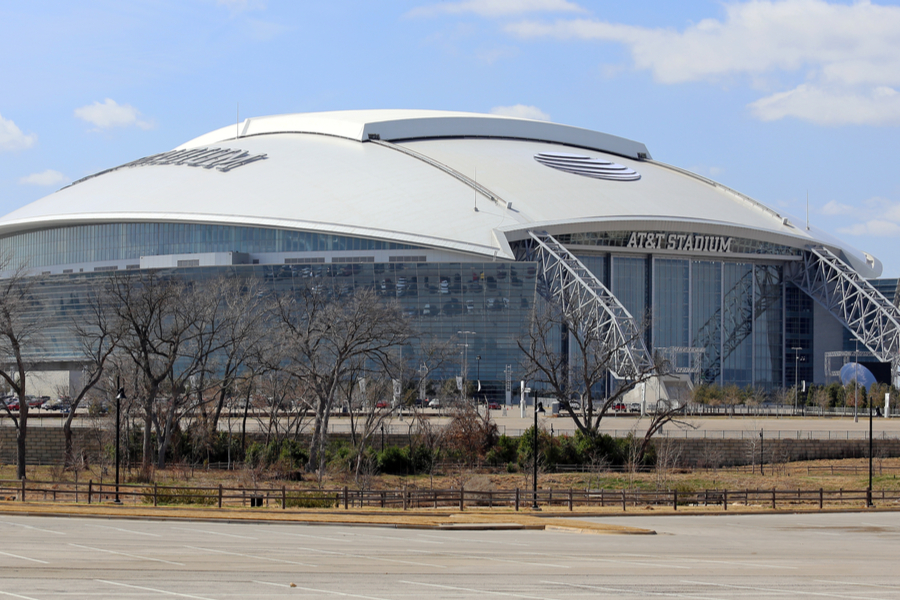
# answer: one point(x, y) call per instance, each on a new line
point(564, 280)
point(861, 308)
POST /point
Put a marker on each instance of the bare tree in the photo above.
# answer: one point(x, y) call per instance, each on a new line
point(582, 371)
point(158, 318)
point(20, 329)
point(326, 335)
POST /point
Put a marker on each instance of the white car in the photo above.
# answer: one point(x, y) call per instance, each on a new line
point(435, 403)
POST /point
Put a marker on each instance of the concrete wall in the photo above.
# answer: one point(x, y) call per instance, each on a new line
point(46, 446)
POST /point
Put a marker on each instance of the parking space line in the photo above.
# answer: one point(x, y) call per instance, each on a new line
point(887, 587)
point(634, 592)
point(243, 537)
point(25, 558)
point(168, 562)
point(319, 591)
point(32, 528)
point(315, 537)
point(290, 562)
point(376, 558)
point(149, 589)
point(126, 530)
point(776, 590)
point(479, 591)
point(17, 596)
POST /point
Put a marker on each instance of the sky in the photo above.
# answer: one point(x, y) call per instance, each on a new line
point(782, 100)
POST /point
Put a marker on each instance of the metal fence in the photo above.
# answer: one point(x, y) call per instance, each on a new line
point(407, 499)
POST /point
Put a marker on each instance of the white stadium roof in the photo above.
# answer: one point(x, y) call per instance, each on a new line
point(416, 177)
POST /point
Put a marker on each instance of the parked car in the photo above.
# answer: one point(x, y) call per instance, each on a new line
point(634, 407)
point(493, 406)
point(435, 403)
point(381, 404)
point(619, 406)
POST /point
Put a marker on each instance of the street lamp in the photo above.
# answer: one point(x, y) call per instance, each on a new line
point(120, 395)
point(465, 369)
point(478, 371)
point(796, 350)
point(538, 407)
point(869, 489)
point(856, 381)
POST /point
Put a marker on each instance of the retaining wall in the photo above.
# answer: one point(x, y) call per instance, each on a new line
point(46, 446)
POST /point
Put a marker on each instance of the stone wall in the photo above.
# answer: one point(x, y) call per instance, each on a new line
point(46, 446)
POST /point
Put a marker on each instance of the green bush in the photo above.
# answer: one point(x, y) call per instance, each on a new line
point(394, 461)
point(181, 496)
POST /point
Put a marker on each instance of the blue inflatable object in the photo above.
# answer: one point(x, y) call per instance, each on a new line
point(856, 372)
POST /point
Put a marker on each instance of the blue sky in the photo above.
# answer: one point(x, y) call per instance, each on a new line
point(777, 99)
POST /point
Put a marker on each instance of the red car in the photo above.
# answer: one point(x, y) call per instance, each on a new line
point(381, 404)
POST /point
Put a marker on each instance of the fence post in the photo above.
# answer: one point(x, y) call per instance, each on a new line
point(773, 499)
point(346, 498)
point(570, 499)
point(623, 501)
point(462, 498)
point(517, 499)
point(403, 493)
point(154, 494)
point(283, 497)
point(220, 495)
point(90, 489)
point(23, 489)
point(725, 499)
point(821, 497)
point(674, 499)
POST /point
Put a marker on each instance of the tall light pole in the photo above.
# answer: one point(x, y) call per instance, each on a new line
point(856, 381)
point(538, 407)
point(796, 350)
point(120, 395)
point(869, 489)
point(465, 369)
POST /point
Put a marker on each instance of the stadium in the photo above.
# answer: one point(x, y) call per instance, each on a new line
point(468, 220)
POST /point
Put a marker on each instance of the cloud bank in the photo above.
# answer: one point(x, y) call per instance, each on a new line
point(842, 58)
point(522, 111)
point(44, 178)
point(495, 8)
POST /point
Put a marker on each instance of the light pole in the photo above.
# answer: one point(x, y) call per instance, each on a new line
point(869, 489)
point(856, 381)
point(796, 350)
point(538, 407)
point(478, 371)
point(120, 395)
point(465, 369)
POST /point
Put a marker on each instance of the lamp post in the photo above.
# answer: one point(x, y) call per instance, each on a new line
point(465, 369)
point(869, 489)
point(796, 350)
point(120, 395)
point(538, 407)
point(478, 372)
point(856, 381)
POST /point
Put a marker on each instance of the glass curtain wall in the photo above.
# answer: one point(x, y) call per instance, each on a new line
point(767, 327)
point(737, 323)
point(706, 316)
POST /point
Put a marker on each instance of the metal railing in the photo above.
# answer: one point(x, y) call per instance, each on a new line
point(408, 499)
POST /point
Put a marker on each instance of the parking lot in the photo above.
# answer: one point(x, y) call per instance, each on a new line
point(849, 555)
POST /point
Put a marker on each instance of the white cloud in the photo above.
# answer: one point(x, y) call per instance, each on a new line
point(522, 111)
point(12, 138)
point(878, 106)
point(874, 228)
point(845, 55)
point(495, 8)
point(834, 207)
point(111, 114)
point(48, 177)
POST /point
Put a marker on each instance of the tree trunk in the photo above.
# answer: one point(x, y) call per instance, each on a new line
point(20, 438)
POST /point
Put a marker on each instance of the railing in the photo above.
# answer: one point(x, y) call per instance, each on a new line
point(408, 499)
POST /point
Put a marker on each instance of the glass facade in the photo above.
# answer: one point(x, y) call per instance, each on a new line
point(494, 300)
point(123, 241)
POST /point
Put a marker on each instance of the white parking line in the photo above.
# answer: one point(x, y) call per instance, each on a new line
point(126, 530)
point(377, 558)
point(478, 591)
point(633, 592)
point(473, 540)
point(476, 556)
point(25, 558)
point(168, 562)
point(887, 587)
point(17, 596)
point(776, 590)
point(315, 537)
point(32, 528)
point(243, 537)
point(149, 589)
point(290, 562)
point(319, 591)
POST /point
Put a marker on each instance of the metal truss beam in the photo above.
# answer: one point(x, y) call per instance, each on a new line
point(563, 279)
point(861, 308)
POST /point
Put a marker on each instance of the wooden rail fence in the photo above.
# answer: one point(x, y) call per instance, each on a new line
point(406, 499)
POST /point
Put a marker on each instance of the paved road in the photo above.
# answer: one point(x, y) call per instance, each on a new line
point(771, 556)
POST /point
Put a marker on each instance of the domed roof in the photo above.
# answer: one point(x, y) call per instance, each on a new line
point(455, 181)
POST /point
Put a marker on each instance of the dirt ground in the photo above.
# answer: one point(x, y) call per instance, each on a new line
point(848, 474)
